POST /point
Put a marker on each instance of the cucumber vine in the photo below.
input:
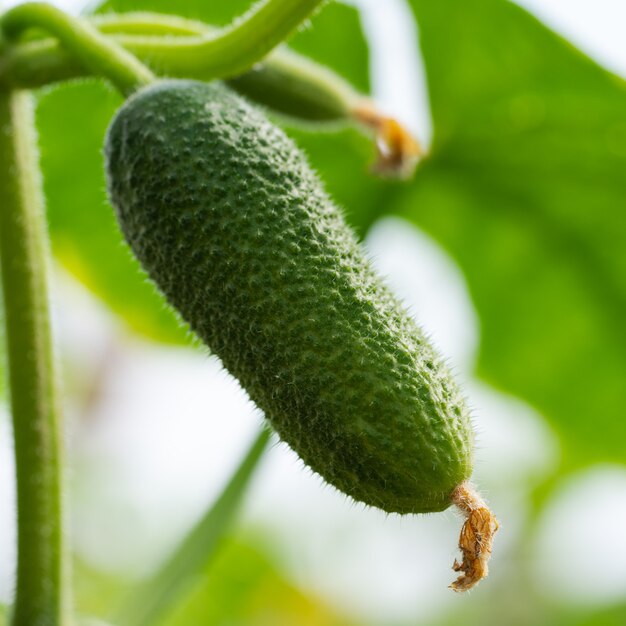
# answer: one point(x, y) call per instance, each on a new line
point(41, 596)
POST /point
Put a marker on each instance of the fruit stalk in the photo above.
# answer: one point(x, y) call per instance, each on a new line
point(41, 564)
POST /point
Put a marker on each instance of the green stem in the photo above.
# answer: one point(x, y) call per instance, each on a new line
point(150, 24)
point(286, 82)
point(165, 588)
point(216, 54)
point(293, 85)
point(95, 52)
point(232, 50)
point(41, 567)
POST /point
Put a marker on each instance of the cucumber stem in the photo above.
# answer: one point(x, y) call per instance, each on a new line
point(41, 564)
point(476, 538)
point(98, 54)
point(285, 81)
point(209, 55)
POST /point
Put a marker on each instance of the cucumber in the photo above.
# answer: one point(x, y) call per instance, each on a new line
point(236, 230)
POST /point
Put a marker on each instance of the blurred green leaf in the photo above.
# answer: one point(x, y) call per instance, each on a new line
point(610, 616)
point(243, 588)
point(576, 616)
point(3, 354)
point(94, 591)
point(165, 587)
point(517, 601)
point(526, 187)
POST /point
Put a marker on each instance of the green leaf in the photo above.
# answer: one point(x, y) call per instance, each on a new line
point(242, 585)
point(526, 187)
point(522, 604)
point(243, 588)
point(3, 362)
point(94, 592)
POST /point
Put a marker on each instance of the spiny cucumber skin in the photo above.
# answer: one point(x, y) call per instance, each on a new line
point(233, 226)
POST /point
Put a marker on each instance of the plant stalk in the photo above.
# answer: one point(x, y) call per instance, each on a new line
point(287, 82)
point(42, 570)
point(216, 54)
point(232, 50)
point(98, 54)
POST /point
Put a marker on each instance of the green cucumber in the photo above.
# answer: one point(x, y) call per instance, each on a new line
point(236, 230)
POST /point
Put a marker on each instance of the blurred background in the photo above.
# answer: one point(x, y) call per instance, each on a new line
point(509, 248)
